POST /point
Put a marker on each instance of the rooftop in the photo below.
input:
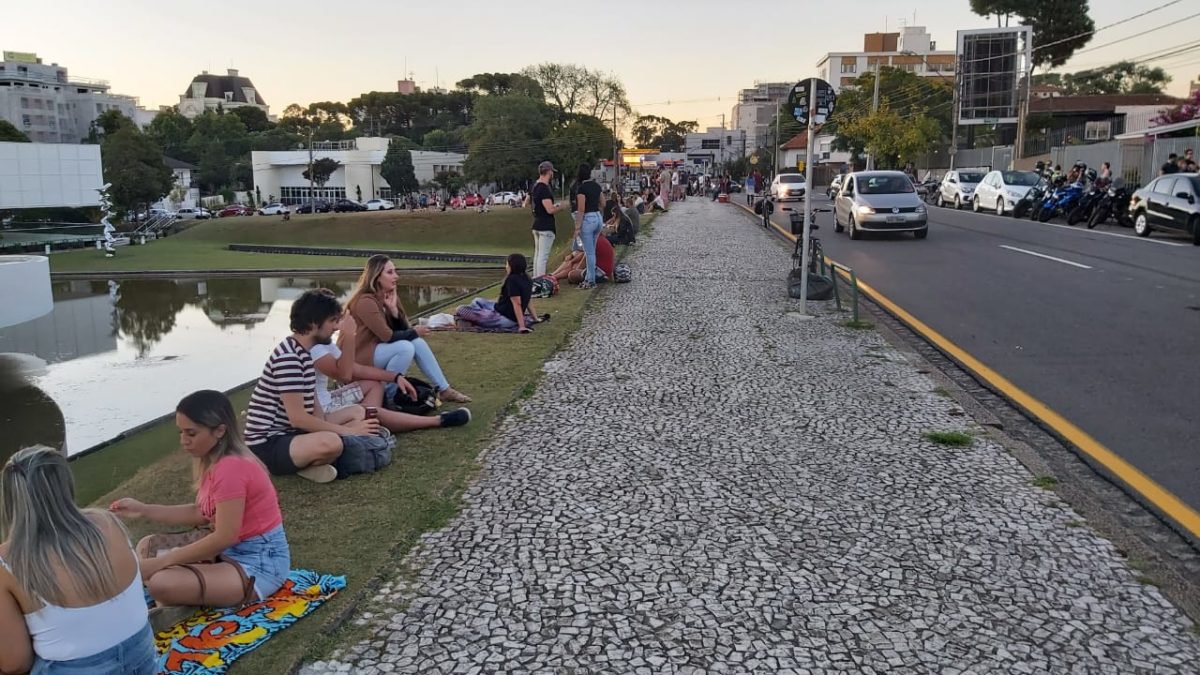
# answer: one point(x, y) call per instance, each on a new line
point(1105, 103)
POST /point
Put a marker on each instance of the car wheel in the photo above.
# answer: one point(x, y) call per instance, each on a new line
point(938, 200)
point(854, 231)
point(975, 205)
point(1141, 225)
point(837, 224)
point(1000, 206)
point(921, 233)
point(1195, 225)
point(957, 202)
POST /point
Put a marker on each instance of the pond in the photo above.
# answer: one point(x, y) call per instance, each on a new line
point(116, 354)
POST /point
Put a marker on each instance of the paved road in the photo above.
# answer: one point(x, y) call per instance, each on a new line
point(1114, 346)
point(705, 483)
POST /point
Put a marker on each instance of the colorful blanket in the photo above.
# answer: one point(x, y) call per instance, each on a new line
point(211, 640)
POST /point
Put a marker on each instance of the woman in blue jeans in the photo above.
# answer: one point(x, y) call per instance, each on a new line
point(384, 339)
point(588, 220)
point(71, 598)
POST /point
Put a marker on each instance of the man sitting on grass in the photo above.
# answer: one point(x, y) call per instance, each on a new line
point(285, 426)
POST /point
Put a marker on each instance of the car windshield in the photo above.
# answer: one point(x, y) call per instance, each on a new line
point(970, 177)
point(884, 185)
point(1023, 178)
point(791, 178)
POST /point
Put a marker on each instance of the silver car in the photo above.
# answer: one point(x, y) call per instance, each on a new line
point(958, 187)
point(879, 201)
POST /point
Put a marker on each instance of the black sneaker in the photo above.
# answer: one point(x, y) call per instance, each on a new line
point(455, 418)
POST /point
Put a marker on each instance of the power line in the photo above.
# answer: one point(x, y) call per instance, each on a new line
point(1130, 37)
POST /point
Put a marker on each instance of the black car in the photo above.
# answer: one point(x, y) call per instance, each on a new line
point(344, 205)
point(1168, 203)
point(319, 205)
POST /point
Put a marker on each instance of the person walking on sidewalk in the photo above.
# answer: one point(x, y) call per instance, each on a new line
point(544, 209)
point(588, 220)
point(664, 188)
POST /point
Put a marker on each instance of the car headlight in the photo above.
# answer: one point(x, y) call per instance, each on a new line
point(865, 210)
point(920, 208)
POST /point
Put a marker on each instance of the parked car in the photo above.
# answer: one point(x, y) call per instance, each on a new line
point(317, 205)
point(787, 186)
point(473, 199)
point(504, 198)
point(235, 210)
point(344, 205)
point(958, 187)
point(197, 213)
point(1168, 203)
point(1001, 190)
point(879, 201)
point(380, 205)
point(274, 209)
point(834, 185)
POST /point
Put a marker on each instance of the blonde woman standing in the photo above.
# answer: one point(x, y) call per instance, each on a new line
point(71, 595)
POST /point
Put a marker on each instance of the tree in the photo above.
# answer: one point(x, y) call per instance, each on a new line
point(1184, 112)
point(1060, 27)
point(397, 169)
point(107, 123)
point(172, 131)
point(507, 139)
point(322, 170)
point(582, 139)
point(133, 163)
point(575, 89)
point(502, 84)
point(892, 138)
point(907, 94)
point(652, 131)
point(441, 140)
point(253, 118)
point(449, 181)
point(1123, 77)
point(11, 134)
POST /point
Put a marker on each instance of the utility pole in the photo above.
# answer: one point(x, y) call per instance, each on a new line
point(312, 199)
point(1022, 113)
point(616, 154)
point(954, 118)
point(874, 109)
point(776, 137)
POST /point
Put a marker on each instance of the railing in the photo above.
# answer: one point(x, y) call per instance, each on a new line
point(48, 79)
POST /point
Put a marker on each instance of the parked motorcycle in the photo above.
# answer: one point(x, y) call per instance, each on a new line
point(1115, 202)
point(1060, 201)
point(1034, 196)
point(1087, 203)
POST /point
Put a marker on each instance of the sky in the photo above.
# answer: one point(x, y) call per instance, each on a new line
point(681, 60)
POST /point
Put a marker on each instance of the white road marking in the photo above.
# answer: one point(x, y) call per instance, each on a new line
point(1047, 257)
point(1076, 228)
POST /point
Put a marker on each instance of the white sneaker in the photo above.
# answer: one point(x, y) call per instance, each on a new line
point(324, 473)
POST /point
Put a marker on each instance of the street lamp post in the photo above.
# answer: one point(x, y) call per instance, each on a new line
point(312, 201)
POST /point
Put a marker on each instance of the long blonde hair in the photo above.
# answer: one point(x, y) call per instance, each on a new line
point(48, 535)
point(211, 409)
point(368, 283)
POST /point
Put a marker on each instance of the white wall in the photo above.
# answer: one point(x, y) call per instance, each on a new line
point(36, 175)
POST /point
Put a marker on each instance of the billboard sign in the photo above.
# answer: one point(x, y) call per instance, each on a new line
point(992, 63)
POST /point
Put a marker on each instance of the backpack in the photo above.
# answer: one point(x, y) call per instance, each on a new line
point(425, 403)
point(363, 454)
point(544, 286)
point(622, 274)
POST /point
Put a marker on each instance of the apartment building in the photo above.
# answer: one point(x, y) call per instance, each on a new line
point(912, 49)
point(754, 113)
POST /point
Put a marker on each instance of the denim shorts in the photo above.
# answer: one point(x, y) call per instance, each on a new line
point(266, 558)
point(134, 656)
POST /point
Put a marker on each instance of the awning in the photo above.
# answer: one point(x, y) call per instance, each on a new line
point(1159, 130)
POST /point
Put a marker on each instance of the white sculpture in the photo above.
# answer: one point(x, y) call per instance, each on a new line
point(109, 229)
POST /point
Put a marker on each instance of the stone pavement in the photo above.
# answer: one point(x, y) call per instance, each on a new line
point(704, 482)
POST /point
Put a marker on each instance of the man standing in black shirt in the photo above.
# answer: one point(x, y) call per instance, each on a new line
point(544, 208)
point(1172, 165)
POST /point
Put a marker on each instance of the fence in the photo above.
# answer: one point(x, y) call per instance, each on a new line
point(1135, 160)
point(996, 157)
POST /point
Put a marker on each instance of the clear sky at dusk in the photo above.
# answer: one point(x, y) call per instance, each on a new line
point(689, 53)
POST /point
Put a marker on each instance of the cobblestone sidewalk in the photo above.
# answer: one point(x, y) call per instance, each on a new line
point(704, 482)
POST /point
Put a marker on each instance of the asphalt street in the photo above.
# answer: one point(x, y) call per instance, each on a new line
point(1102, 326)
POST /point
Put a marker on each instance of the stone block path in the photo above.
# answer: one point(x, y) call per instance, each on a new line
point(705, 483)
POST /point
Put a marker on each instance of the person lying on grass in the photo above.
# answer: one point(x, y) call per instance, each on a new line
point(238, 552)
point(364, 385)
point(70, 593)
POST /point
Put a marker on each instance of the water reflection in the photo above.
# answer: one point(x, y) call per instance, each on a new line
point(112, 355)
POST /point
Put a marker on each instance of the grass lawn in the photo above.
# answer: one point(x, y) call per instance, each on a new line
point(203, 246)
point(361, 527)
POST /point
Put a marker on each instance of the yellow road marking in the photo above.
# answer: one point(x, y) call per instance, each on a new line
point(1140, 483)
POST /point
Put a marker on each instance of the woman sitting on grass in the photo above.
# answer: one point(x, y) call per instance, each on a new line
point(70, 593)
point(515, 305)
point(244, 556)
point(384, 338)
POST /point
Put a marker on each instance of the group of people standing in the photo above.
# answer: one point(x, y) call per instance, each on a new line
point(73, 592)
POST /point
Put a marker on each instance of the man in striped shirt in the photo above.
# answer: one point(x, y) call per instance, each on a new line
point(285, 426)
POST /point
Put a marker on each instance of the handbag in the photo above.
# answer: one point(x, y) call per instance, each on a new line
point(425, 403)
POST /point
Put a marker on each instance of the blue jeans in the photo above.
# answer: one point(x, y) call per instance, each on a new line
point(592, 223)
point(134, 656)
point(398, 356)
point(266, 558)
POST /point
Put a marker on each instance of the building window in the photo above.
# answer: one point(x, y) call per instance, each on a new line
point(26, 121)
point(710, 144)
point(1097, 131)
point(850, 67)
point(229, 97)
point(24, 102)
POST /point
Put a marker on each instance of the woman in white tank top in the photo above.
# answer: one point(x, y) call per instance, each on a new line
point(73, 599)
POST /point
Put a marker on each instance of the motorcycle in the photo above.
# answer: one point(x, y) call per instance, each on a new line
point(1060, 201)
point(1035, 195)
point(1087, 204)
point(1115, 202)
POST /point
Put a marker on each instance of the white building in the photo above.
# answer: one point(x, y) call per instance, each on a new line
point(49, 106)
point(911, 49)
point(41, 175)
point(281, 173)
point(755, 111)
point(186, 193)
point(209, 92)
point(715, 146)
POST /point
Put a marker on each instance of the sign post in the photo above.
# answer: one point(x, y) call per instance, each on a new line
point(812, 102)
